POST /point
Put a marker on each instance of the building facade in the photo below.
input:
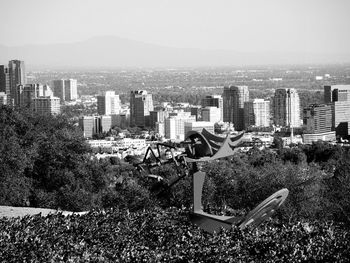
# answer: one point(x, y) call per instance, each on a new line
point(336, 93)
point(108, 104)
point(65, 89)
point(286, 108)
point(141, 104)
point(214, 101)
point(25, 95)
point(317, 118)
point(338, 96)
point(5, 82)
point(174, 125)
point(17, 74)
point(198, 126)
point(47, 105)
point(257, 113)
point(233, 105)
point(211, 114)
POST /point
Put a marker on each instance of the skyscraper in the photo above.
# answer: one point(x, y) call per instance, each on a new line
point(17, 76)
point(257, 113)
point(108, 104)
point(336, 93)
point(286, 108)
point(233, 105)
point(65, 89)
point(5, 82)
point(317, 119)
point(214, 101)
point(141, 103)
point(70, 86)
point(58, 89)
point(25, 95)
point(339, 97)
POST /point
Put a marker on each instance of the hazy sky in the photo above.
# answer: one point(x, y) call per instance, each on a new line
point(244, 25)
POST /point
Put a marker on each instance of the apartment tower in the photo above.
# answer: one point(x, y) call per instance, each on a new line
point(233, 105)
point(286, 108)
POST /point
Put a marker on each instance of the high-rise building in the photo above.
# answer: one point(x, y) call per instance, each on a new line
point(257, 113)
point(58, 89)
point(108, 104)
point(141, 103)
point(317, 118)
point(25, 94)
point(211, 114)
point(90, 125)
point(339, 97)
point(5, 82)
point(214, 101)
point(65, 89)
point(286, 108)
point(47, 105)
point(175, 125)
point(158, 116)
point(336, 93)
point(233, 105)
point(71, 90)
point(341, 118)
point(17, 76)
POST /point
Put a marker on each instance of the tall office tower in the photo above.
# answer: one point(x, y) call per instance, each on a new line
point(5, 82)
point(211, 114)
point(71, 90)
point(47, 105)
point(141, 104)
point(17, 76)
point(90, 125)
point(158, 116)
point(25, 94)
point(341, 118)
point(286, 108)
point(233, 103)
point(339, 97)
point(336, 93)
point(257, 113)
point(108, 104)
point(58, 89)
point(317, 118)
point(214, 101)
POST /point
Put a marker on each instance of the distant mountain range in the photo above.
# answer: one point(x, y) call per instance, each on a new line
point(112, 52)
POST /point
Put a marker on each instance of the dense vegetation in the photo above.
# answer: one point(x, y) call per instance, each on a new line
point(45, 162)
point(164, 236)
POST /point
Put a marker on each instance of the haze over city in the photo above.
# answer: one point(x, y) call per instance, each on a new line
point(174, 33)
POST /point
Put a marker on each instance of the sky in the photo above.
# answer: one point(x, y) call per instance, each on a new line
point(239, 25)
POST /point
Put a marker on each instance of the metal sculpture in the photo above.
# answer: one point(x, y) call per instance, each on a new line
point(204, 147)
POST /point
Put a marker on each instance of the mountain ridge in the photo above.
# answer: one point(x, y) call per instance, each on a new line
point(112, 51)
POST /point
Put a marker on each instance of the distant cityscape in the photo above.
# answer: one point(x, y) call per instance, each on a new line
point(232, 110)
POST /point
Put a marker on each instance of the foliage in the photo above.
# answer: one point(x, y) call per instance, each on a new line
point(165, 235)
